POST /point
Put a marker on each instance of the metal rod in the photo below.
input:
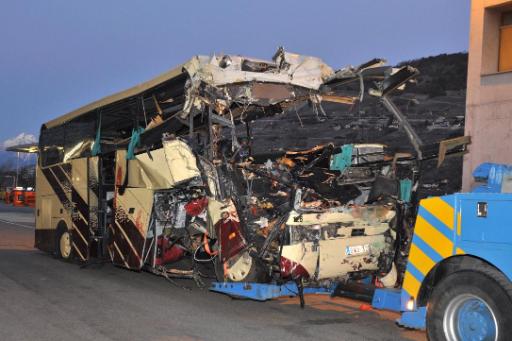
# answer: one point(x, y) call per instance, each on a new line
point(17, 168)
point(409, 130)
point(210, 133)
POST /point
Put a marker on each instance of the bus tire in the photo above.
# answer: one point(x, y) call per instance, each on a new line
point(254, 271)
point(63, 243)
point(471, 305)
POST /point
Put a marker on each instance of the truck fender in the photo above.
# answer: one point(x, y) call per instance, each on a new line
point(445, 268)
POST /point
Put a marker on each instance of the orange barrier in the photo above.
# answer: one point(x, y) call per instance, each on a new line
point(7, 197)
point(18, 197)
point(30, 199)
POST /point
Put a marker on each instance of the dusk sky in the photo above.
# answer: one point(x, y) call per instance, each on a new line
point(57, 55)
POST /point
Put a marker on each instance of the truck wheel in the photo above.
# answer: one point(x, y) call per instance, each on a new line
point(470, 305)
point(63, 244)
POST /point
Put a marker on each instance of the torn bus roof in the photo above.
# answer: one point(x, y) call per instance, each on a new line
point(215, 91)
point(233, 88)
point(285, 68)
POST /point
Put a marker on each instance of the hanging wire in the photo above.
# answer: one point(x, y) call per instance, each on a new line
point(298, 116)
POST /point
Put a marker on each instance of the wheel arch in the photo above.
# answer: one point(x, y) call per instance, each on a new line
point(61, 225)
point(447, 267)
point(60, 228)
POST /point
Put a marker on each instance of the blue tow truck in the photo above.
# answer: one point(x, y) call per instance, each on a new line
point(457, 283)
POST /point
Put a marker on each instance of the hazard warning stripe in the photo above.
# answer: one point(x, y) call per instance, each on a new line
point(441, 210)
point(434, 233)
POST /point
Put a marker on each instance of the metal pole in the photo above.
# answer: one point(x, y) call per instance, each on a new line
point(409, 130)
point(210, 132)
point(17, 168)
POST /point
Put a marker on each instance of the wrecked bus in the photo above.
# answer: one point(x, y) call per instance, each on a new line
point(162, 177)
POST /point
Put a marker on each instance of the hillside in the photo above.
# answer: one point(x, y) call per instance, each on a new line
point(445, 72)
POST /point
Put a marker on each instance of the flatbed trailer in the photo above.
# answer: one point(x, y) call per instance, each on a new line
point(457, 283)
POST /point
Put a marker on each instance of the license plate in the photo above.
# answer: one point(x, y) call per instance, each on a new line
point(357, 249)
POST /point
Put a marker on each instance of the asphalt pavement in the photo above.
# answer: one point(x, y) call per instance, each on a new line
point(42, 298)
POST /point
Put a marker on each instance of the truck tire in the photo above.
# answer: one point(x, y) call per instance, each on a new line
point(471, 305)
point(63, 243)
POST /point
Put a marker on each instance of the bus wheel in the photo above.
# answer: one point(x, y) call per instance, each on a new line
point(470, 305)
point(63, 244)
point(241, 268)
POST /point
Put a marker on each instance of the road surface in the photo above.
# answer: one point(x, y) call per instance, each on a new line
point(42, 298)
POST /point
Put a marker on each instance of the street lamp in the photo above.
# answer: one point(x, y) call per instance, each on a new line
point(17, 168)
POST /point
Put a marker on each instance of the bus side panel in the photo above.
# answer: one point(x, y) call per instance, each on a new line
point(93, 188)
point(132, 219)
point(81, 214)
point(53, 204)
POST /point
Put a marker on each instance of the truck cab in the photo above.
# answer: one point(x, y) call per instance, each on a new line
point(457, 283)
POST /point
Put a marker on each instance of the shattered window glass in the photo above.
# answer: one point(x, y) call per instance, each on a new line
point(65, 142)
point(52, 145)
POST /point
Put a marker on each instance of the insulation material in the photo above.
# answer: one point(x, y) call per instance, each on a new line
point(342, 160)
